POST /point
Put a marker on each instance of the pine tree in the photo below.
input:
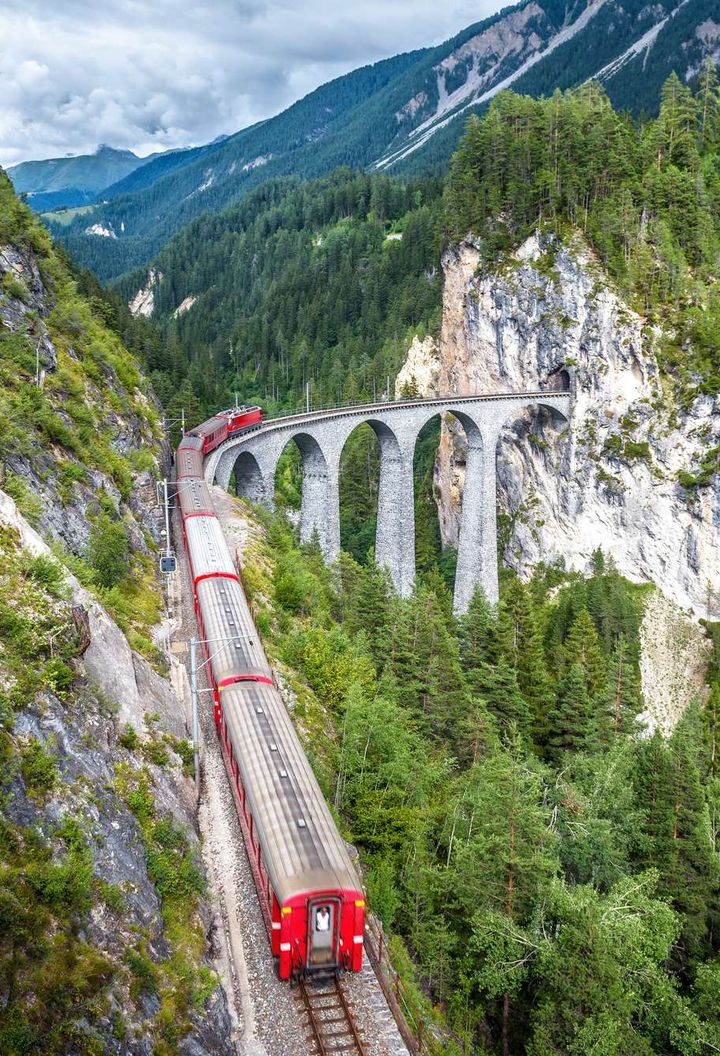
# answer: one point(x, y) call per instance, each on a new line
point(711, 722)
point(478, 635)
point(582, 648)
point(675, 836)
point(624, 695)
point(497, 686)
point(520, 644)
point(503, 853)
point(709, 105)
point(573, 720)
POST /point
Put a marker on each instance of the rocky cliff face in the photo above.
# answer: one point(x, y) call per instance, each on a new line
point(92, 424)
point(610, 478)
point(106, 930)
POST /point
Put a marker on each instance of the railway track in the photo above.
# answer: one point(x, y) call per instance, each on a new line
point(330, 1019)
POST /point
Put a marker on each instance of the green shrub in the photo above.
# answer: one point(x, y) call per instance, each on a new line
point(108, 551)
point(155, 751)
point(129, 738)
point(47, 573)
point(15, 287)
point(144, 972)
point(38, 769)
point(26, 500)
point(58, 675)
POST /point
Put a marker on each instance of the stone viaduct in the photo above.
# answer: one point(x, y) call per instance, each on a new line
point(321, 437)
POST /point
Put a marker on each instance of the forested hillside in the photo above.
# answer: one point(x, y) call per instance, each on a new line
point(554, 876)
point(407, 113)
point(322, 283)
point(646, 197)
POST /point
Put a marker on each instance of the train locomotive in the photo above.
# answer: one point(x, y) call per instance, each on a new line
point(311, 898)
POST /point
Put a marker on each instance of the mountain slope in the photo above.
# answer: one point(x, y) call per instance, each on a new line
point(71, 181)
point(99, 950)
point(407, 113)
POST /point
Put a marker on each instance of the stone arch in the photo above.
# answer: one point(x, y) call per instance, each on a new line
point(395, 533)
point(249, 481)
point(469, 540)
point(319, 503)
point(546, 411)
point(359, 457)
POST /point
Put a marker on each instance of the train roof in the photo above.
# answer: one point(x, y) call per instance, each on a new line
point(209, 554)
point(225, 613)
point(242, 408)
point(194, 497)
point(189, 462)
point(302, 849)
point(208, 427)
point(190, 442)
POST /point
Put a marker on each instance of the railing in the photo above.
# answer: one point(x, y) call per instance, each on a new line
point(416, 401)
point(419, 1038)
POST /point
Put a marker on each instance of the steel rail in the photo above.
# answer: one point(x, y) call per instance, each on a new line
point(331, 999)
point(283, 421)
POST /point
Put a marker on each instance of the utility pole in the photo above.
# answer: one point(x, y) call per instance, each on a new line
point(168, 563)
point(167, 422)
point(307, 397)
point(168, 552)
point(195, 724)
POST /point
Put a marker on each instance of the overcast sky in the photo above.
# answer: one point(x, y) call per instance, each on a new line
point(150, 74)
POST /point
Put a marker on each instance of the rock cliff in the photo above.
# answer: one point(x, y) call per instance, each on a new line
point(106, 928)
point(547, 317)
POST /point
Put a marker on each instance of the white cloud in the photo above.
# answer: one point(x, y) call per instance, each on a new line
point(149, 76)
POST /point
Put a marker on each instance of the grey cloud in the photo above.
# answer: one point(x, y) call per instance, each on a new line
point(165, 74)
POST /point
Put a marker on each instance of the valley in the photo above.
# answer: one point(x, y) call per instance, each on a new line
point(512, 734)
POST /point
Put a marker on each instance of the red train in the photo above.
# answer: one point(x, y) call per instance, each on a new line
point(224, 424)
point(309, 891)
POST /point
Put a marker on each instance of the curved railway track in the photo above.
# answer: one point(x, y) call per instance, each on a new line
point(332, 1027)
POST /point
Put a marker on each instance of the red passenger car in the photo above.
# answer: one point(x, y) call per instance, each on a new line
point(312, 900)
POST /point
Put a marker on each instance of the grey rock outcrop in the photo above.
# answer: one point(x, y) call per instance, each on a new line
point(68, 505)
point(84, 745)
point(116, 688)
point(547, 317)
point(24, 303)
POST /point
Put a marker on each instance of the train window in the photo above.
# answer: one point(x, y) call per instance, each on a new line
point(322, 925)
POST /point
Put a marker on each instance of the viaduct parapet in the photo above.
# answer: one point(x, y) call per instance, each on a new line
point(321, 437)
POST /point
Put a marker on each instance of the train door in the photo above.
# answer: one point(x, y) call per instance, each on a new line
point(323, 933)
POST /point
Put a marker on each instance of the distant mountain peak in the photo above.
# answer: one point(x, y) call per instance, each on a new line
point(104, 149)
